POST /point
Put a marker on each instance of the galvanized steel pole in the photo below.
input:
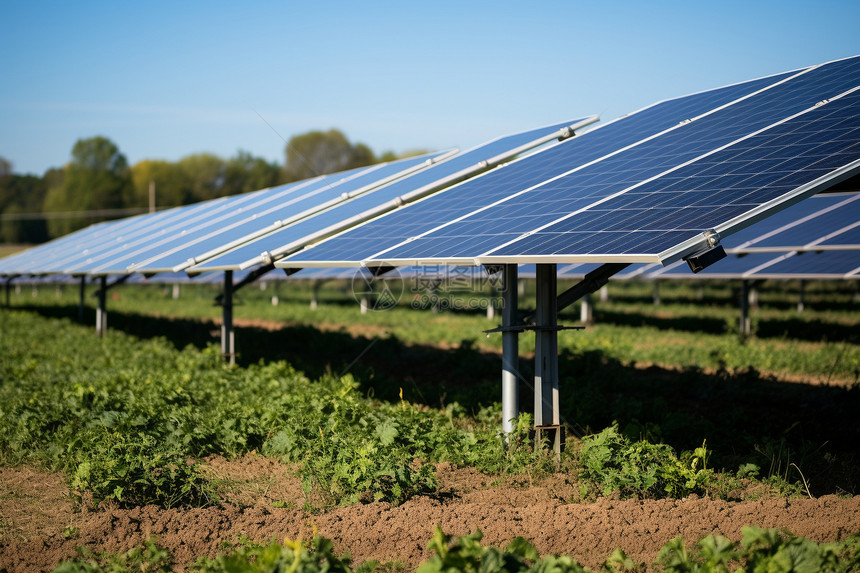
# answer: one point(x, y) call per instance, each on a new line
point(510, 350)
point(546, 348)
point(101, 311)
point(81, 298)
point(227, 337)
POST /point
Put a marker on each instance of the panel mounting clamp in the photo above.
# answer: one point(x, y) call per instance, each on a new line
point(712, 237)
point(565, 133)
point(700, 260)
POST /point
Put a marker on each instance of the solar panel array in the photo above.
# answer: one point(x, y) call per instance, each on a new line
point(833, 216)
point(791, 244)
point(649, 187)
point(176, 239)
point(290, 238)
point(172, 251)
point(645, 188)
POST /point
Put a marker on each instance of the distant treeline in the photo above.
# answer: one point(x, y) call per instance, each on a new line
point(98, 184)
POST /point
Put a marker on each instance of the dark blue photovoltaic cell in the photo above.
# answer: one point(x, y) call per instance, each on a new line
point(498, 184)
point(151, 228)
point(830, 263)
point(59, 254)
point(712, 190)
point(850, 237)
point(268, 209)
point(733, 266)
point(754, 233)
point(656, 215)
point(25, 261)
point(461, 163)
point(815, 229)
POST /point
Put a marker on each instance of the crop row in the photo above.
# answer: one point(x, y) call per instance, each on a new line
point(126, 419)
point(822, 342)
point(760, 550)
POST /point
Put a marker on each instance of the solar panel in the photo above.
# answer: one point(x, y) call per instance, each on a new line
point(348, 213)
point(844, 239)
point(835, 226)
point(62, 255)
point(222, 238)
point(654, 201)
point(262, 209)
point(825, 264)
point(816, 216)
point(351, 247)
point(23, 261)
point(808, 209)
point(731, 267)
point(782, 266)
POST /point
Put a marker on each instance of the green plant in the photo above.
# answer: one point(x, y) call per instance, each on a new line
point(317, 556)
point(466, 554)
point(641, 469)
point(761, 551)
point(768, 550)
point(136, 470)
point(149, 558)
point(713, 555)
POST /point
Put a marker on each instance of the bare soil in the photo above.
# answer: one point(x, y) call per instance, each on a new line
point(40, 525)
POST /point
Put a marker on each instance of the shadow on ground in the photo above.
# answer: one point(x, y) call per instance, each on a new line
point(791, 328)
point(782, 427)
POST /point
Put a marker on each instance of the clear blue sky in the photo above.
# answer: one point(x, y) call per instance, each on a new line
point(164, 80)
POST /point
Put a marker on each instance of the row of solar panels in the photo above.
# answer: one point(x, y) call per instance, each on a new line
point(818, 238)
point(176, 239)
point(651, 187)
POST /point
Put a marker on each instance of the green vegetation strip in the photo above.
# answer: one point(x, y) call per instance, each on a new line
point(822, 343)
point(128, 420)
point(760, 550)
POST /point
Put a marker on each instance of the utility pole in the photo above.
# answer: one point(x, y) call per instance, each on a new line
point(152, 196)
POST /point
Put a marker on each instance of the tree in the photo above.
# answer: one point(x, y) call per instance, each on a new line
point(245, 173)
point(172, 183)
point(5, 168)
point(97, 178)
point(23, 196)
point(203, 175)
point(20, 197)
point(318, 153)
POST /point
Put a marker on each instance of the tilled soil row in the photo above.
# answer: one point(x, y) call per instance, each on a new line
point(589, 532)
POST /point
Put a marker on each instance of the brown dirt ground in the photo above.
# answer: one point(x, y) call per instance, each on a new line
point(40, 525)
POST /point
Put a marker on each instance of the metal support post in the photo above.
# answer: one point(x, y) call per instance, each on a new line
point(801, 296)
point(275, 298)
point(315, 289)
point(81, 298)
point(101, 311)
point(655, 296)
point(228, 343)
point(745, 308)
point(753, 294)
point(586, 311)
point(546, 407)
point(8, 293)
point(604, 293)
point(510, 350)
